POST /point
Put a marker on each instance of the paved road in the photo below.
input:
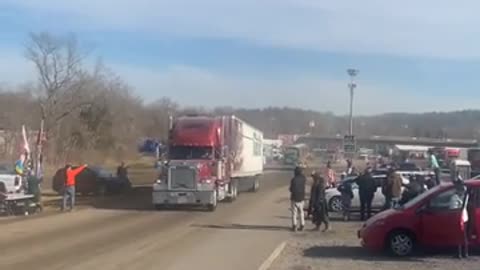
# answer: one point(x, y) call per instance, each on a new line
point(126, 233)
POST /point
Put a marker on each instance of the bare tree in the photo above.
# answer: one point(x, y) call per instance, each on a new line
point(62, 79)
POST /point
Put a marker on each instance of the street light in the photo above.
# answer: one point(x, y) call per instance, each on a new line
point(352, 85)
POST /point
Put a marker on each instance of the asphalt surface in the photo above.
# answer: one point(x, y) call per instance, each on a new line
point(125, 232)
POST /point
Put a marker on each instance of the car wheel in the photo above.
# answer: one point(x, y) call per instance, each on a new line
point(335, 204)
point(401, 243)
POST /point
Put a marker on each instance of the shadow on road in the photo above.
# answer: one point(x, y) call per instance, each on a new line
point(138, 198)
point(349, 253)
point(243, 227)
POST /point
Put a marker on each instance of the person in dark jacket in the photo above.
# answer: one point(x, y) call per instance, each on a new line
point(297, 198)
point(387, 189)
point(34, 189)
point(122, 171)
point(318, 203)
point(366, 190)
point(346, 192)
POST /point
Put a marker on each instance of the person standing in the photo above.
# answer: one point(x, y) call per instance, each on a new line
point(459, 201)
point(330, 175)
point(318, 203)
point(396, 188)
point(34, 189)
point(346, 192)
point(297, 198)
point(349, 167)
point(122, 171)
point(69, 188)
point(366, 190)
point(433, 164)
point(387, 189)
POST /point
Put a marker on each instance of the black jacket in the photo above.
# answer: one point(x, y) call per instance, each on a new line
point(317, 196)
point(346, 188)
point(366, 185)
point(297, 188)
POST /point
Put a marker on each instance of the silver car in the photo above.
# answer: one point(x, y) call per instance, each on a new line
point(333, 196)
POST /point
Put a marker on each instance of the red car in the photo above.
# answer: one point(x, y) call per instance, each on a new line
point(430, 220)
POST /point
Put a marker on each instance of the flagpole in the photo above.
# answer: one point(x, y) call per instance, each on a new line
point(39, 151)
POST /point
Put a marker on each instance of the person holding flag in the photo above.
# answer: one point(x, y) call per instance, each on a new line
point(459, 200)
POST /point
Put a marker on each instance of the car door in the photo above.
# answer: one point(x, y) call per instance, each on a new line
point(439, 221)
point(474, 215)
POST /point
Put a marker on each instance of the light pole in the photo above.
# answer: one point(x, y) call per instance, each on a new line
point(352, 85)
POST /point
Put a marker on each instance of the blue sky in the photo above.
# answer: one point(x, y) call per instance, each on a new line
point(412, 55)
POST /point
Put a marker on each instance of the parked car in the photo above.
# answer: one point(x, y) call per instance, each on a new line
point(11, 181)
point(334, 201)
point(92, 180)
point(427, 221)
point(409, 167)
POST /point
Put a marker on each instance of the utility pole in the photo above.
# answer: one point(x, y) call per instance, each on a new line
point(352, 85)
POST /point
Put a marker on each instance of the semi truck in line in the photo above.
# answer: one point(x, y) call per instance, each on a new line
point(208, 157)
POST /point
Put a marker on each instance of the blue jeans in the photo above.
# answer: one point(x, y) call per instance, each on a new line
point(68, 197)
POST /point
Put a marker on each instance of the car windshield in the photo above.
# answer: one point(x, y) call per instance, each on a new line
point(421, 197)
point(6, 169)
point(291, 152)
point(101, 171)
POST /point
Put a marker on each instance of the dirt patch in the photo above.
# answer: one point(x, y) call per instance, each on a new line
point(340, 249)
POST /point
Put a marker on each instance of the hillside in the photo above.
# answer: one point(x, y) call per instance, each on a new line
point(274, 120)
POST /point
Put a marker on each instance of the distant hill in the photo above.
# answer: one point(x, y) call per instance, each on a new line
point(275, 120)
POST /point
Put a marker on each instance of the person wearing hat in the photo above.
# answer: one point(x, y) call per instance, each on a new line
point(297, 198)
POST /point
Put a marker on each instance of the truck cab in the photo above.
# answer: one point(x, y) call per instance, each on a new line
point(204, 157)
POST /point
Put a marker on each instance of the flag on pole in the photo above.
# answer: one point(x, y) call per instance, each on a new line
point(25, 140)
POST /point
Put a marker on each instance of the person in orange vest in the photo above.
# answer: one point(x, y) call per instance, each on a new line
point(69, 189)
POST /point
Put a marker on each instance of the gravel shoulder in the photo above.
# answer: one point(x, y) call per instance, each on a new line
point(340, 249)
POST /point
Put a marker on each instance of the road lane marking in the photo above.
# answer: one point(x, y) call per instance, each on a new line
point(276, 252)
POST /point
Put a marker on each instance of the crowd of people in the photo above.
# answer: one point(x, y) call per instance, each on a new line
point(395, 192)
point(32, 178)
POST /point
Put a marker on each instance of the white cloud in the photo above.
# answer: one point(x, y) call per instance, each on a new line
point(432, 28)
point(199, 87)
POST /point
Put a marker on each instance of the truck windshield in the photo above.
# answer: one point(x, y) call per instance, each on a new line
point(291, 152)
point(191, 152)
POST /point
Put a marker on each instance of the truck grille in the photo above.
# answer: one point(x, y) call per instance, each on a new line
point(182, 178)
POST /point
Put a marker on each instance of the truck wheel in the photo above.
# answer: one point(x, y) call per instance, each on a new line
point(212, 206)
point(255, 185)
point(233, 190)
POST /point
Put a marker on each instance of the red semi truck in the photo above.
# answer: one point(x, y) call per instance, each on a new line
point(208, 157)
